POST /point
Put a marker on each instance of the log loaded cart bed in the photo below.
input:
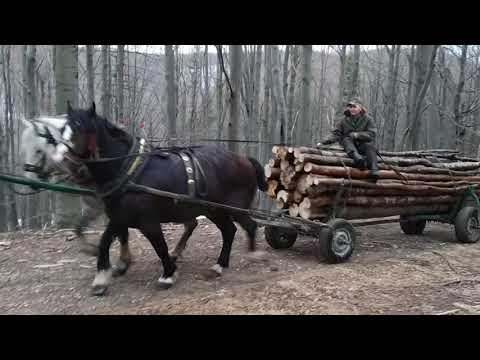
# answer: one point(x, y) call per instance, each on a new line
point(415, 187)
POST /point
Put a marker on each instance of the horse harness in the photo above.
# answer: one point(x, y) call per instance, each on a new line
point(132, 168)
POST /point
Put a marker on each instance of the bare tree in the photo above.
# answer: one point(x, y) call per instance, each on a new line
point(342, 55)
point(170, 80)
point(9, 126)
point(457, 111)
point(90, 74)
point(304, 121)
point(106, 89)
point(421, 70)
point(120, 81)
point(291, 90)
point(278, 94)
point(355, 71)
point(391, 96)
point(66, 68)
point(235, 53)
point(256, 96)
point(32, 203)
point(206, 89)
point(285, 71)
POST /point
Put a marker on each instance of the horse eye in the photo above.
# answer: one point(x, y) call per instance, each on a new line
point(38, 152)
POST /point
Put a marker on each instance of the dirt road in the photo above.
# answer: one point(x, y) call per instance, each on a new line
point(389, 273)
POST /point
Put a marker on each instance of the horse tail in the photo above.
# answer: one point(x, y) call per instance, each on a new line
point(261, 180)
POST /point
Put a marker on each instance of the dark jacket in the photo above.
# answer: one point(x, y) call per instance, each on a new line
point(363, 125)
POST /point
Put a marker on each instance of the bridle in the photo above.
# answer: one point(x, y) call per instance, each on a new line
point(39, 167)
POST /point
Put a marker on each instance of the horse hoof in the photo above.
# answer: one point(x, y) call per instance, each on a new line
point(258, 256)
point(162, 286)
point(89, 249)
point(99, 290)
point(211, 273)
point(176, 257)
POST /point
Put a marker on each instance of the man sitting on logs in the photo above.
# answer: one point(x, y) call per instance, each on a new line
point(357, 132)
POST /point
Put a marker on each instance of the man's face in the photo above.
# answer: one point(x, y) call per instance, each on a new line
point(354, 109)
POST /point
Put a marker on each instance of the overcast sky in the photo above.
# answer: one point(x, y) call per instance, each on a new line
point(190, 48)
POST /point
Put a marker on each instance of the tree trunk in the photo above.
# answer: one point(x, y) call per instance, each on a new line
point(425, 64)
point(256, 128)
point(12, 204)
point(120, 81)
point(66, 68)
point(302, 125)
point(278, 94)
point(195, 85)
point(291, 92)
point(285, 71)
point(90, 75)
point(355, 71)
point(474, 142)
point(342, 53)
point(403, 128)
point(170, 80)
point(32, 220)
point(206, 90)
point(31, 108)
point(235, 53)
point(392, 81)
point(219, 86)
point(421, 70)
point(457, 111)
point(106, 90)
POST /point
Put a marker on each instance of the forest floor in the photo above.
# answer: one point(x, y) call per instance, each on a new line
point(389, 273)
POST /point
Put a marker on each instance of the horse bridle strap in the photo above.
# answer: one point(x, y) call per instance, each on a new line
point(118, 184)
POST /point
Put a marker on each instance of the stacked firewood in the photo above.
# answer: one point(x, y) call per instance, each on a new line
point(307, 182)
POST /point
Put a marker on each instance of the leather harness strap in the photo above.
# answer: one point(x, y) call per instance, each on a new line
point(190, 173)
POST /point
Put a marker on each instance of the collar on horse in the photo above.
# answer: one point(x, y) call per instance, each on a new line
point(128, 169)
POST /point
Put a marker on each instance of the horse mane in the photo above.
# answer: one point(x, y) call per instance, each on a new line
point(115, 132)
point(56, 122)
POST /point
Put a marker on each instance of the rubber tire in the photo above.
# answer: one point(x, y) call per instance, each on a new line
point(412, 227)
point(324, 249)
point(464, 216)
point(279, 238)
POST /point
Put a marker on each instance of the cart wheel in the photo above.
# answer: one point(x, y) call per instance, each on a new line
point(467, 225)
point(412, 227)
point(336, 246)
point(279, 238)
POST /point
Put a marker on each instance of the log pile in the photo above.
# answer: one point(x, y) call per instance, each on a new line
point(306, 181)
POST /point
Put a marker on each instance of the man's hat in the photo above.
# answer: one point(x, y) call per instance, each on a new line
point(357, 102)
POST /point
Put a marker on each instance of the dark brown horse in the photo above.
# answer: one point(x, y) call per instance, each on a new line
point(228, 179)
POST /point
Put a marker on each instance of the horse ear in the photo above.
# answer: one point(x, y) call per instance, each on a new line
point(26, 123)
point(92, 110)
point(69, 108)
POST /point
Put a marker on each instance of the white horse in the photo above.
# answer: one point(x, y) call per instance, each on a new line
point(45, 148)
point(45, 144)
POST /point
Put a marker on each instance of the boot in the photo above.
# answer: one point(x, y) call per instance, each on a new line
point(374, 173)
point(358, 159)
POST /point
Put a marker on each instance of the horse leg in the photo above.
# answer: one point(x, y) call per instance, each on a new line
point(153, 232)
point(125, 259)
point(228, 230)
point(104, 271)
point(189, 228)
point(250, 228)
point(93, 210)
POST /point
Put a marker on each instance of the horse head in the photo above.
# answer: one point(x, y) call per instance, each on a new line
point(91, 132)
point(45, 148)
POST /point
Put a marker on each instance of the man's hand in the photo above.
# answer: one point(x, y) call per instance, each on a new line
point(326, 142)
point(353, 135)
